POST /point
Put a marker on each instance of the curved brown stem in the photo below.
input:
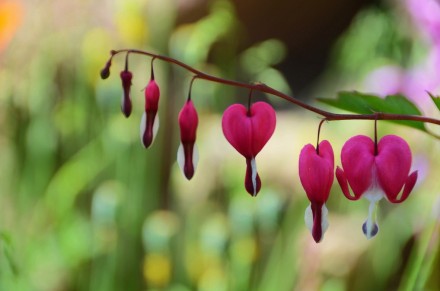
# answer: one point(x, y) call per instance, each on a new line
point(319, 133)
point(329, 116)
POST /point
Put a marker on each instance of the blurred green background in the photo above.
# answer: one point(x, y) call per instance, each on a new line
point(83, 206)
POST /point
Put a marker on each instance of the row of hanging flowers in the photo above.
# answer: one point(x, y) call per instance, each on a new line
point(372, 169)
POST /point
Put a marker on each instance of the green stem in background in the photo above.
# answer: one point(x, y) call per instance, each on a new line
point(423, 255)
point(329, 116)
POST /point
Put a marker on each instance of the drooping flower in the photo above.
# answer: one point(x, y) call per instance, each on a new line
point(316, 168)
point(150, 118)
point(187, 154)
point(248, 130)
point(374, 172)
point(126, 106)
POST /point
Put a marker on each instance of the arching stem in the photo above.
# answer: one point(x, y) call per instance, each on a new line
point(329, 116)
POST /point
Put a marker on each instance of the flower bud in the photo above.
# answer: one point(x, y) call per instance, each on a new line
point(126, 106)
point(187, 154)
point(150, 118)
point(105, 72)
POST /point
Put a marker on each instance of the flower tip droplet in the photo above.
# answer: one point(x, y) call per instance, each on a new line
point(105, 72)
point(126, 106)
point(370, 231)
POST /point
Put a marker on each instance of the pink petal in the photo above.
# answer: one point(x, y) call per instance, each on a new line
point(152, 95)
point(326, 152)
point(343, 183)
point(188, 122)
point(357, 157)
point(263, 121)
point(393, 163)
point(237, 129)
point(316, 171)
point(248, 132)
point(409, 185)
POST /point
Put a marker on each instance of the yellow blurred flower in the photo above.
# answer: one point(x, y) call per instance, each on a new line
point(157, 269)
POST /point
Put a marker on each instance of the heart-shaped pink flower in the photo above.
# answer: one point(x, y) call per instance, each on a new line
point(374, 172)
point(316, 174)
point(248, 130)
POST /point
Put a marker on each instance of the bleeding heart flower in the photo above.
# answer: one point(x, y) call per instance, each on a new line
point(126, 77)
point(376, 172)
point(316, 175)
point(248, 130)
point(187, 154)
point(150, 118)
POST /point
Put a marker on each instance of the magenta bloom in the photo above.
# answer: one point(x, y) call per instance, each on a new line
point(187, 154)
point(316, 174)
point(248, 131)
point(150, 118)
point(376, 172)
point(126, 106)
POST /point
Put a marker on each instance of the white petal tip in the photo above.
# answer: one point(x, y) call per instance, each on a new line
point(308, 218)
point(181, 158)
point(143, 128)
point(254, 176)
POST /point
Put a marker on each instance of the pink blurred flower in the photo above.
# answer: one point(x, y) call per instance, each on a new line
point(426, 15)
point(425, 76)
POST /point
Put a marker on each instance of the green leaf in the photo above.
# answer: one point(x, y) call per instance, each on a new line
point(435, 99)
point(368, 104)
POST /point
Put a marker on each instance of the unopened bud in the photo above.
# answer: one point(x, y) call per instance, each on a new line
point(126, 77)
point(105, 72)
